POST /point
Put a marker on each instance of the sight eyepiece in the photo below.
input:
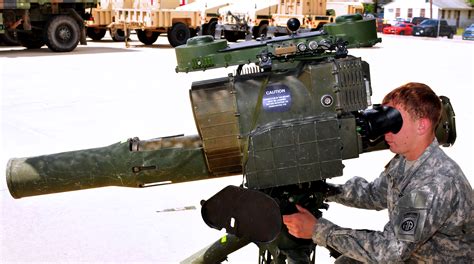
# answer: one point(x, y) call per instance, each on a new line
point(378, 121)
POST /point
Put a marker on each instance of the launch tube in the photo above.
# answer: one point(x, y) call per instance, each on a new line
point(133, 163)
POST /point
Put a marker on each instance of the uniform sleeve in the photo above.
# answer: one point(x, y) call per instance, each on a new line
point(419, 217)
point(359, 193)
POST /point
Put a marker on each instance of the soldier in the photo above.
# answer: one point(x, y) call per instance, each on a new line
point(429, 200)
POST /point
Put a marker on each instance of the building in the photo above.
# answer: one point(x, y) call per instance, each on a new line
point(345, 7)
point(456, 12)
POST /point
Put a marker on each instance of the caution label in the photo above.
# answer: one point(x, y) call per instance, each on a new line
point(277, 98)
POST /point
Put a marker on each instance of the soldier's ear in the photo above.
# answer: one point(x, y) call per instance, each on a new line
point(424, 126)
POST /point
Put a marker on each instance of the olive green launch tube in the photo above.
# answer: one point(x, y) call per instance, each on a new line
point(133, 163)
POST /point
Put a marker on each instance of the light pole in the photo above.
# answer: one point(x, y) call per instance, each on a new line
point(431, 8)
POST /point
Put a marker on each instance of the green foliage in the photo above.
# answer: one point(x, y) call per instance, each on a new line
point(370, 8)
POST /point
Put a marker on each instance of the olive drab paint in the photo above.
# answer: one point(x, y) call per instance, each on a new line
point(292, 115)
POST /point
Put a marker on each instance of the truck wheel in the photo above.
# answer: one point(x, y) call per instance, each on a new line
point(118, 36)
point(9, 38)
point(31, 40)
point(178, 34)
point(209, 29)
point(260, 30)
point(451, 35)
point(62, 33)
point(96, 33)
point(147, 37)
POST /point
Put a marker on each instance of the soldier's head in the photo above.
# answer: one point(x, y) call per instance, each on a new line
point(420, 108)
point(418, 100)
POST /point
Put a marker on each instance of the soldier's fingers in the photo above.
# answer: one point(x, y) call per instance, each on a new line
point(290, 218)
point(302, 209)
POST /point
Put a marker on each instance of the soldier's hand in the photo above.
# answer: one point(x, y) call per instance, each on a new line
point(300, 224)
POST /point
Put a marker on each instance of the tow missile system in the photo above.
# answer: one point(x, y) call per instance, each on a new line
point(286, 124)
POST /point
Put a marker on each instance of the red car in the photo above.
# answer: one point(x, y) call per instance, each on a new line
point(399, 29)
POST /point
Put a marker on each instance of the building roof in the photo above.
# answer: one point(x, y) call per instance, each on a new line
point(451, 4)
point(441, 4)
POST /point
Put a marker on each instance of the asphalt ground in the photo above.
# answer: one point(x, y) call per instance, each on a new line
point(104, 93)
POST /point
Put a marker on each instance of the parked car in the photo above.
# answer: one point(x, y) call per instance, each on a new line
point(399, 29)
point(434, 28)
point(381, 24)
point(418, 20)
point(397, 20)
point(468, 33)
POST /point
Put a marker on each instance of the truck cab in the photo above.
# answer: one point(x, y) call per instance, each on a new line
point(434, 28)
point(57, 24)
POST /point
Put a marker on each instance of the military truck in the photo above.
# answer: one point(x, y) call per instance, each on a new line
point(241, 19)
point(269, 18)
point(208, 13)
point(345, 7)
point(312, 15)
point(101, 17)
point(148, 19)
point(59, 24)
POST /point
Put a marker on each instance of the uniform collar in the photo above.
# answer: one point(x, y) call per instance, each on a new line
point(397, 164)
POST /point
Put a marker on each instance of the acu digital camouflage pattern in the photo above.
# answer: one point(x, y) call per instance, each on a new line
point(430, 212)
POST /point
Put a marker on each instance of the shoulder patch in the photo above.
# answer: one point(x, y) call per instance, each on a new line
point(411, 217)
point(409, 223)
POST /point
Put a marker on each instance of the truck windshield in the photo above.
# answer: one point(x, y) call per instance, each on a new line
point(430, 22)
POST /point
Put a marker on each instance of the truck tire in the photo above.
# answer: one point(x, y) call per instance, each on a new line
point(178, 34)
point(260, 30)
point(210, 28)
point(147, 37)
point(31, 39)
point(62, 33)
point(96, 33)
point(451, 35)
point(9, 38)
point(119, 35)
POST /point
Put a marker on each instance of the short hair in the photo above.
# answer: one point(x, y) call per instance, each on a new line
point(418, 100)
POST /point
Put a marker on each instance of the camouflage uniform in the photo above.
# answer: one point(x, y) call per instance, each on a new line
point(430, 213)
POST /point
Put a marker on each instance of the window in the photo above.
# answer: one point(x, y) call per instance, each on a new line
point(422, 12)
point(442, 14)
point(469, 14)
point(397, 12)
point(410, 12)
point(449, 14)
